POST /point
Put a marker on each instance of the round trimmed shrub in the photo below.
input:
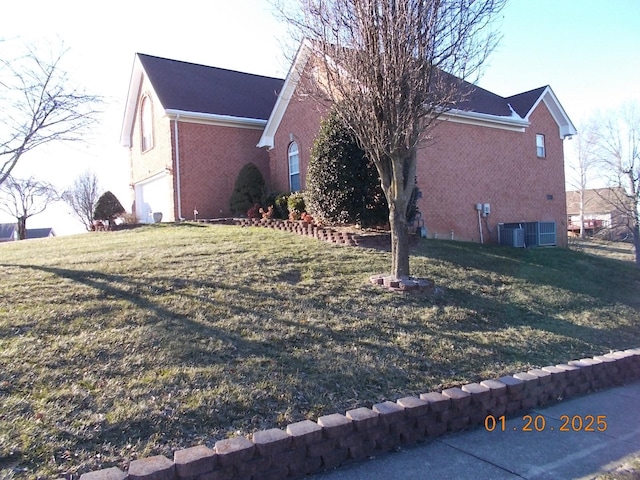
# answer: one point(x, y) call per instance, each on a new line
point(248, 189)
point(343, 185)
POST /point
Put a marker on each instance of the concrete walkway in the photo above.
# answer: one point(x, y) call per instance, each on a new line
point(545, 452)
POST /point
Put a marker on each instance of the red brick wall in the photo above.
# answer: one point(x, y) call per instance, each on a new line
point(462, 165)
point(210, 159)
point(300, 123)
point(466, 164)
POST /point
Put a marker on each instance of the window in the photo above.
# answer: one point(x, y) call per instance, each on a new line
point(294, 168)
point(146, 124)
point(540, 150)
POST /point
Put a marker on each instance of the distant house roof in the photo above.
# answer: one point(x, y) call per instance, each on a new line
point(40, 233)
point(7, 232)
point(186, 89)
point(597, 201)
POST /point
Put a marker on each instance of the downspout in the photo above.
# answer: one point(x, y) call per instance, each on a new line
point(179, 201)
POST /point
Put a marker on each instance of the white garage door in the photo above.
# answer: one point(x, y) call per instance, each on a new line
point(154, 195)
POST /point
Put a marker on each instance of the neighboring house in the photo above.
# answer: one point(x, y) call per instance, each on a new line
point(604, 213)
point(503, 156)
point(9, 232)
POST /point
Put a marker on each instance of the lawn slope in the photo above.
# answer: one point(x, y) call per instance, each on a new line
point(115, 346)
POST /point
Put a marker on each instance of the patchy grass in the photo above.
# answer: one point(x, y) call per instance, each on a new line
point(122, 345)
point(604, 248)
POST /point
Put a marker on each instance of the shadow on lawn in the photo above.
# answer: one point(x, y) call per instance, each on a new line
point(562, 268)
point(326, 358)
point(489, 314)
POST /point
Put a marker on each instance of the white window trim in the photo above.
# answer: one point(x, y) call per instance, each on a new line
point(293, 151)
point(541, 148)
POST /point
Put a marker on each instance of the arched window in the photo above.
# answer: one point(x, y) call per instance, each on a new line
point(294, 168)
point(146, 124)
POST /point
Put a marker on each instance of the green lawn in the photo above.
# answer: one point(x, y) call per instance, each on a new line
point(115, 346)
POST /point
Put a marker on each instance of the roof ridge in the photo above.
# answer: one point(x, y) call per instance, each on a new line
point(206, 66)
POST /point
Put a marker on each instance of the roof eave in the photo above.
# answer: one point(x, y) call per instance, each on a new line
point(513, 123)
point(565, 126)
point(293, 77)
point(132, 100)
point(216, 119)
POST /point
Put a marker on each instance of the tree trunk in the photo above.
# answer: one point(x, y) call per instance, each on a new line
point(22, 228)
point(399, 241)
point(401, 186)
point(582, 213)
point(636, 243)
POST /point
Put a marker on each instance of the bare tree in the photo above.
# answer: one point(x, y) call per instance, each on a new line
point(618, 143)
point(391, 68)
point(39, 105)
point(22, 199)
point(583, 165)
point(82, 197)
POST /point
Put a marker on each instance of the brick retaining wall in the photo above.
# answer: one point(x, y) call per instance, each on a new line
point(326, 234)
point(307, 447)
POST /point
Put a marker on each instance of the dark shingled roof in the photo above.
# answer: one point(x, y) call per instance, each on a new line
point(523, 102)
point(478, 100)
point(198, 88)
point(6, 231)
point(39, 232)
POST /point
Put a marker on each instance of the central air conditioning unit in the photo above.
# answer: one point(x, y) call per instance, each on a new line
point(511, 236)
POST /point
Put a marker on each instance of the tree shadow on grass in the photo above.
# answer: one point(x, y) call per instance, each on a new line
point(325, 350)
point(561, 268)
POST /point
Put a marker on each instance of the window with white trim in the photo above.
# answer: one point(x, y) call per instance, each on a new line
point(540, 148)
point(294, 168)
point(146, 124)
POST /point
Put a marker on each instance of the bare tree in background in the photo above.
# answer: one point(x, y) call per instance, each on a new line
point(82, 197)
point(391, 68)
point(39, 105)
point(618, 146)
point(584, 165)
point(22, 199)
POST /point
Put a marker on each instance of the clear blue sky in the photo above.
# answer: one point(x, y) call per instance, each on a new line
point(588, 51)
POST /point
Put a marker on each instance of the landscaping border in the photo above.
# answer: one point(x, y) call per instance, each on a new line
point(308, 447)
point(326, 234)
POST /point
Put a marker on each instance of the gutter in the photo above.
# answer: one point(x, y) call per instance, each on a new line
point(212, 118)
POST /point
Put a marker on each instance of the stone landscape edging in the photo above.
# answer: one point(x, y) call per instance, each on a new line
point(313, 230)
point(334, 440)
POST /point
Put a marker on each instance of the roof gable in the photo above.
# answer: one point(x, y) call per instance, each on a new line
point(40, 233)
point(525, 103)
point(201, 91)
point(478, 106)
point(7, 231)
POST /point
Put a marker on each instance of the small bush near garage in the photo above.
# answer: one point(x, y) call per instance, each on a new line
point(248, 190)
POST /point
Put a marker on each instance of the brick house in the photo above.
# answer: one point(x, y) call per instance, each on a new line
point(607, 213)
point(494, 164)
point(190, 129)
